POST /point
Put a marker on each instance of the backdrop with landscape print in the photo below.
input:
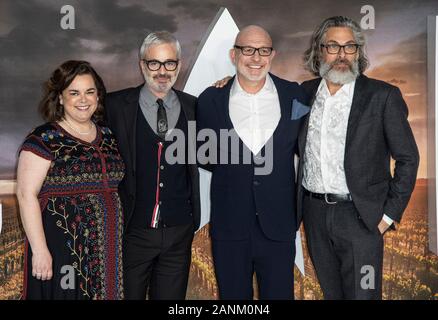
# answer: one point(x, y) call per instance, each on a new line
point(33, 43)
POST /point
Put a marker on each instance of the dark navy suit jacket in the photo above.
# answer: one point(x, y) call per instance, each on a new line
point(237, 194)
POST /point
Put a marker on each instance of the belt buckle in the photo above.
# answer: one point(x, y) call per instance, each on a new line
point(326, 200)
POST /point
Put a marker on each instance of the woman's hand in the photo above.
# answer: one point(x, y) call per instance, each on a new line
point(42, 265)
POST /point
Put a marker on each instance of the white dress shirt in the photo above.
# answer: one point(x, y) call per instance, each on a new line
point(325, 146)
point(254, 116)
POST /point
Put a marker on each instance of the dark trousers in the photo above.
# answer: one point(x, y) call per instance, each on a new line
point(272, 261)
point(347, 256)
point(158, 260)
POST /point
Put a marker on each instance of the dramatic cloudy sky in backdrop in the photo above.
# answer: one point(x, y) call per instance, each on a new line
point(108, 34)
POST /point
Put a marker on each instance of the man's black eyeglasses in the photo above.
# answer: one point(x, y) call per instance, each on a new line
point(249, 51)
point(154, 65)
point(334, 48)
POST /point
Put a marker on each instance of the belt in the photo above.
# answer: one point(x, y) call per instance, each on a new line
point(329, 198)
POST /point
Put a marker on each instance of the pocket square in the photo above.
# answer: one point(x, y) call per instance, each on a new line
point(299, 110)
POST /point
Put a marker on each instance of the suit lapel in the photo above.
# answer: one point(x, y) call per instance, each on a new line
point(313, 91)
point(130, 115)
point(358, 105)
point(303, 133)
point(284, 99)
point(189, 113)
point(222, 105)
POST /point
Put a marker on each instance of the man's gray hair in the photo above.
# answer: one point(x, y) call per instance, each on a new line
point(312, 56)
point(159, 37)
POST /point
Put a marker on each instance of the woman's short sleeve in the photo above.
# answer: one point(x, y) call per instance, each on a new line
point(36, 143)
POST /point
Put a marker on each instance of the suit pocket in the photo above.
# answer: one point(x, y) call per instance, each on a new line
point(299, 110)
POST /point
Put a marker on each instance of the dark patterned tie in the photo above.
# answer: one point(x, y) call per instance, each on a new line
point(161, 119)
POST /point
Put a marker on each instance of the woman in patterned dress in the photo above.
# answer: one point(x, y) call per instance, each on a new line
point(67, 178)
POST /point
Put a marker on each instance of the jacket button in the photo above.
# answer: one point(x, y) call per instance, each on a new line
point(256, 183)
point(161, 185)
point(162, 167)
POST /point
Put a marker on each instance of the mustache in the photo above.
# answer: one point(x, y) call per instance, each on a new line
point(341, 61)
point(162, 76)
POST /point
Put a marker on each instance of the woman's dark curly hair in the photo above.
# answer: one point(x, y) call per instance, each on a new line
point(50, 108)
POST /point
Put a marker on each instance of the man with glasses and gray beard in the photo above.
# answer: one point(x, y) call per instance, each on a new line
point(160, 197)
point(347, 196)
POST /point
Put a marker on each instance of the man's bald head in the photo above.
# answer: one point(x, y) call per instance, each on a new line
point(252, 65)
point(252, 31)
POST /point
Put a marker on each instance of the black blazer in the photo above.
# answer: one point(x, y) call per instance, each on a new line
point(121, 109)
point(237, 194)
point(377, 130)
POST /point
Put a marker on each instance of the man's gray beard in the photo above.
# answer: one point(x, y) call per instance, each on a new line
point(158, 88)
point(339, 77)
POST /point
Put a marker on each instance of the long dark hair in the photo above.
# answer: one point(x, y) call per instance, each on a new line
point(50, 108)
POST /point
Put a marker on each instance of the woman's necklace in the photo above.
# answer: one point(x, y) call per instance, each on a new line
point(79, 132)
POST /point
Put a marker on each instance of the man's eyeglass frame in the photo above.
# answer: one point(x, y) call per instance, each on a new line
point(147, 62)
point(242, 48)
point(326, 46)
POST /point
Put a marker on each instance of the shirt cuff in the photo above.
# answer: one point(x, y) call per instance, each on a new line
point(387, 219)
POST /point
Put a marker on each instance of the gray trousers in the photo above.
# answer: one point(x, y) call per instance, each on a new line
point(347, 256)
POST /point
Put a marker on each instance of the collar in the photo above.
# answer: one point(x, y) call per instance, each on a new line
point(346, 90)
point(268, 87)
point(150, 99)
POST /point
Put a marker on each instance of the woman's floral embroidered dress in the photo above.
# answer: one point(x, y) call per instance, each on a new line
point(81, 213)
